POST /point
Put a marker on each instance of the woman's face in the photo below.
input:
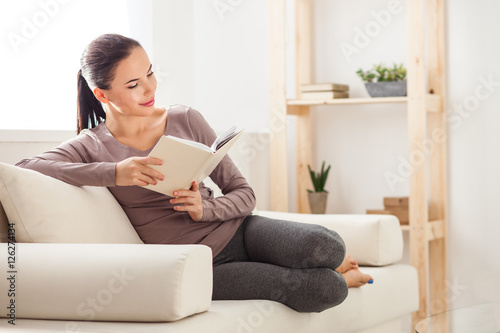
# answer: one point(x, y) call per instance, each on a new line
point(133, 88)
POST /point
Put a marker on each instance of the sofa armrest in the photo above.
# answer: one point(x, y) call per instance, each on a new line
point(109, 282)
point(373, 240)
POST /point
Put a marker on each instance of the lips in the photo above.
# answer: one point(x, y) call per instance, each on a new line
point(149, 103)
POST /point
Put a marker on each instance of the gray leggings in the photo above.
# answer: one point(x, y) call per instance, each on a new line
point(287, 262)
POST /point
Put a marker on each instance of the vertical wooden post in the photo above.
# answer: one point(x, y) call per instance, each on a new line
point(417, 121)
point(438, 160)
point(304, 157)
point(303, 75)
point(303, 44)
point(277, 68)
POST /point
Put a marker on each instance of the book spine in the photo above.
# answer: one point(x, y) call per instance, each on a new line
point(324, 95)
point(325, 87)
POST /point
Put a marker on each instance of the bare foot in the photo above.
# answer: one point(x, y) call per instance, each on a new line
point(348, 264)
point(355, 278)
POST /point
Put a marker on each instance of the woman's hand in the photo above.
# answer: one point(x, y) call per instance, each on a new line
point(192, 201)
point(134, 171)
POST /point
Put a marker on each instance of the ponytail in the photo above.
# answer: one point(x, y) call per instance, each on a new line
point(88, 106)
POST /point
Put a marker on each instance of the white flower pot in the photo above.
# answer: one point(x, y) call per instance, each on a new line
point(317, 202)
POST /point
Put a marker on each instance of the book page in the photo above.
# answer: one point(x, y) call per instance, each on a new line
point(218, 142)
point(207, 168)
point(225, 137)
point(192, 143)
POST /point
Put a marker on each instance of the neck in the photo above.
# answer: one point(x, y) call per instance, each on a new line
point(127, 126)
point(140, 132)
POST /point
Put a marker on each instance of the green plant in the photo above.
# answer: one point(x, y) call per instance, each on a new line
point(319, 178)
point(381, 73)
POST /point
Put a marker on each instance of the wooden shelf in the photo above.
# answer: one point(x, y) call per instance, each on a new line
point(425, 106)
point(344, 101)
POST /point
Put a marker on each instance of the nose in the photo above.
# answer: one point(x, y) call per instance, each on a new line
point(149, 87)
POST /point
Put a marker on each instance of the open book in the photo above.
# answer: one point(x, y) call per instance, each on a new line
point(185, 161)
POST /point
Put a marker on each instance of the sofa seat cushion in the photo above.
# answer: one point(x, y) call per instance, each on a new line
point(46, 210)
point(393, 295)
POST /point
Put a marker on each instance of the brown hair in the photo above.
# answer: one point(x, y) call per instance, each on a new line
point(98, 63)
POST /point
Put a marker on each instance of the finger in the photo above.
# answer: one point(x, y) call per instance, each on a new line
point(194, 186)
point(153, 160)
point(144, 181)
point(138, 182)
point(183, 208)
point(152, 173)
point(145, 176)
point(186, 208)
point(148, 160)
point(183, 200)
point(184, 193)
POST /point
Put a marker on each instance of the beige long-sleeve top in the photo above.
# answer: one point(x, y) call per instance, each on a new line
point(90, 159)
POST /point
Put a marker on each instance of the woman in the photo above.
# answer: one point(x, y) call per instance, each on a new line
point(301, 265)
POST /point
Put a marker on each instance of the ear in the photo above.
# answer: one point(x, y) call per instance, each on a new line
point(99, 94)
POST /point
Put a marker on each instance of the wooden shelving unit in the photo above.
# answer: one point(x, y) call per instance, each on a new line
point(425, 105)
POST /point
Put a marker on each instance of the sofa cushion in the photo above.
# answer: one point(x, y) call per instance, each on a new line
point(3, 226)
point(373, 240)
point(113, 282)
point(46, 210)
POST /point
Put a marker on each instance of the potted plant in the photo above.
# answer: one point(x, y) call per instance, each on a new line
point(383, 81)
point(318, 197)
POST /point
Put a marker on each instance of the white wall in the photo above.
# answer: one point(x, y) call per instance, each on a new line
point(18, 144)
point(173, 35)
point(474, 143)
point(40, 49)
point(231, 63)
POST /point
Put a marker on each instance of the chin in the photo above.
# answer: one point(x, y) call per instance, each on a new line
point(146, 110)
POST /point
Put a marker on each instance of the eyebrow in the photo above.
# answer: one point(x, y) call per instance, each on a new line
point(149, 69)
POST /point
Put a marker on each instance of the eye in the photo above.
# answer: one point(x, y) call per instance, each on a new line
point(135, 85)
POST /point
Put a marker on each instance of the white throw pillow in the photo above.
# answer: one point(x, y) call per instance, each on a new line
point(3, 226)
point(47, 210)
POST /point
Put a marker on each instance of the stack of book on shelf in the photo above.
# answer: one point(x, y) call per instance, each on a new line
point(324, 91)
point(397, 206)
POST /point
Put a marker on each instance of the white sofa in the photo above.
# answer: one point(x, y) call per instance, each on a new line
point(85, 270)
